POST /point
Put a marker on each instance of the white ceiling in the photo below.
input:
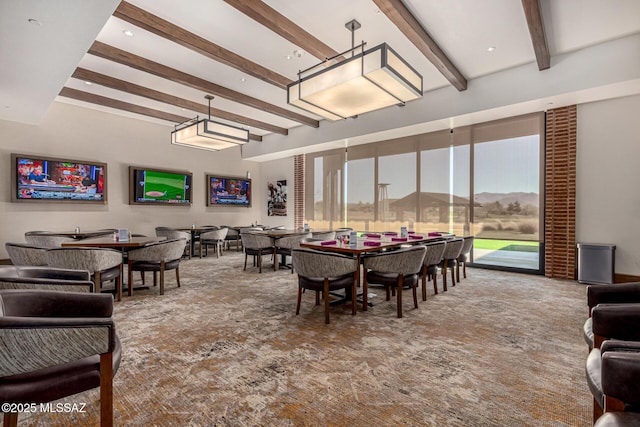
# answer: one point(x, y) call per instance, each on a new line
point(37, 60)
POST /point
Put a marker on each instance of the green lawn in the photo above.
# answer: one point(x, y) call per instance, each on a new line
point(506, 245)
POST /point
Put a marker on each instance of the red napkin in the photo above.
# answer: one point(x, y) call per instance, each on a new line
point(416, 237)
point(370, 243)
point(373, 236)
point(434, 234)
point(398, 239)
point(328, 242)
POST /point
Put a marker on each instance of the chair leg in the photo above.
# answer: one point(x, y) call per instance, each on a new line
point(424, 283)
point(245, 262)
point(155, 278)
point(435, 283)
point(458, 271)
point(106, 390)
point(464, 270)
point(161, 277)
point(119, 285)
point(130, 278)
point(299, 300)
point(444, 276)
point(10, 419)
point(260, 261)
point(96, 280)
point(399, 286)
point(326, 300)
point(453, 275)
point(415, 296)
point(178, 275)
point(353, 296)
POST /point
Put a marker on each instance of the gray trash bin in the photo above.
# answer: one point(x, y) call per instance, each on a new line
point(596, 263)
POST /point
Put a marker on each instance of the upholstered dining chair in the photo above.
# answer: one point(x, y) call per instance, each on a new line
point(284, 246)
point(617, 293)
point(323, 235)
point(465, 255)
point(157, 257)
point(45, 239)
point(104, 264)
point(172, 234)
point(45, 278)
point(395, 270)
point(56, 344)
point(432, 258)
point(449, 260)
point(325, 272)
point(25, 254)
point(257, 245)
point(233, 236)
point(213, 238)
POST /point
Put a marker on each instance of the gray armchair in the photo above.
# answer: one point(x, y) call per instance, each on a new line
point(56, 344)
point(25, 254)
point(450, 259)
point(172, 234)
point(284, 246)
point(395, 270)
point(45, 278)
point(432, 258)
point(156, 257)
point(463, 258)
point(215, 238)
point(325, 272)
point(45, 239)
point(257, 245)
point(104, 264)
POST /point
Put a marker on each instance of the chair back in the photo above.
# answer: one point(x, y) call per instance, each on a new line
point(79, 258)
point(452, 248)
point(45, 278)
point(403, 261)
point(23, 254)
point(323, 235)
point(166, 250)
point(466, 246)
point(45, 239)
point(434, 253)
point(172, 234)
point(310, 263)
point(291, 242)
point(255, 241)
point(219, 234)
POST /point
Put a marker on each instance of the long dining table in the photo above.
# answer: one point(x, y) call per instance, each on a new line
point(366, 244)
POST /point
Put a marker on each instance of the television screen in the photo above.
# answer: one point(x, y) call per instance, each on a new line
point(48, 179)
point(228, 191)
point(161, 187)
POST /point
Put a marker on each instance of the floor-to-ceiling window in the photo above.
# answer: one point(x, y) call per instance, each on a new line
point(482, 180)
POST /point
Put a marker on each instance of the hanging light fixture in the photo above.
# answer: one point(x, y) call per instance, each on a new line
point(367, 81)
point(207, 134)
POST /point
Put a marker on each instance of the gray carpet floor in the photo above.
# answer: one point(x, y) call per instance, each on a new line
point(226, 349)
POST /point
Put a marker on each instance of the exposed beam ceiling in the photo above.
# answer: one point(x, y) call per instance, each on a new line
point(132, 88)
point(126, 58)
point(280, 24)
point(104, 101)
point(143, 19)
point(398, 13)
point(533, 13)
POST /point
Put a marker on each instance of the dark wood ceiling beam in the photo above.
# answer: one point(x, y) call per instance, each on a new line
point(533, 13)
point(152, 23)
point(262, 13)
point(132, 88)
point(398, 13)
point(134, 61)
point(104, 101)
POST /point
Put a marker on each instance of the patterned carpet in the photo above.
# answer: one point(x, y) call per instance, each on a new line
point(226, 349)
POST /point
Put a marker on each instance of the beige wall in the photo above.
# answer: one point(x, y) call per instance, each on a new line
point(78, 133)
point(608, 177)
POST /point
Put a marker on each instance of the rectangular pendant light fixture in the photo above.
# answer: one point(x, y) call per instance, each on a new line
point(208, 134)
point(371, 80)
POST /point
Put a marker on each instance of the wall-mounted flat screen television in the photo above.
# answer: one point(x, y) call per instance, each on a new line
point(40, 178)
point(150, 186)
point(228, 191)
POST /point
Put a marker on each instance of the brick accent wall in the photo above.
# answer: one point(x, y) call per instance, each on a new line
point(560, 191)
point(298, 190)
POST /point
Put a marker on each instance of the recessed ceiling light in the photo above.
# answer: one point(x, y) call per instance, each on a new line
point(298, 53)
point(491, 48)
point(127, 33)
point(88, 83)
point(242, 79)
point(288, 57)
